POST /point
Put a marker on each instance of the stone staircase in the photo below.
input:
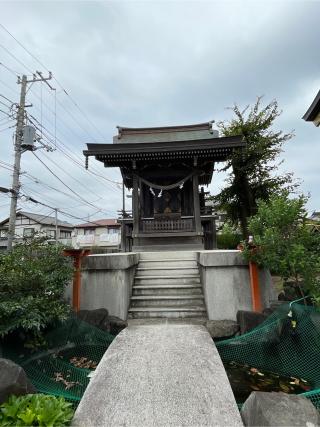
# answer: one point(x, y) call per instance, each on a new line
point(167, 285)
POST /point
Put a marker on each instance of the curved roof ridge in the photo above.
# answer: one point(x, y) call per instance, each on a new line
point(122, 130)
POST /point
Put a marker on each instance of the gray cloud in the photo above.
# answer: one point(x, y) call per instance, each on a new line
point(157, 63)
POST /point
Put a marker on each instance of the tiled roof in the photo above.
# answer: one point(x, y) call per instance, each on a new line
point(99, 223)
point(165, 134)
point(41, 219)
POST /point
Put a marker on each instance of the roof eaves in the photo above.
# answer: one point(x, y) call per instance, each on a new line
point(313, 110)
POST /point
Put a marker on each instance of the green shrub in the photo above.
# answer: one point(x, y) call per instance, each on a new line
point(229, 238)
point(36, 410)
point(286, 244)
point(32, 281)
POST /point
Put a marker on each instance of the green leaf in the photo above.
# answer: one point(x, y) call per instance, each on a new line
point(27, 417)
point(36, 410)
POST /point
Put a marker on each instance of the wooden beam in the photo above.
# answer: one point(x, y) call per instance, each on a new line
point(135, 206)
point(196, 203)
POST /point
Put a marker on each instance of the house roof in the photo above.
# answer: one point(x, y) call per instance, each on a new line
point(99, 223)
point(313, 110)
point(41, 219)
point(315, 214)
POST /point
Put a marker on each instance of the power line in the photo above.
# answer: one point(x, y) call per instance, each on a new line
point(74, 192)
point(6, 164)
point(55, 137)
point(45, 198)
point(23, 47)
point(4, 112)
point(37, 181)
point(6, 105)
point(31, 199)
point(60, 85)
point(7, 128)
point(68, 174)
point(9, 69)
point(14, 57)
point(68, 112)
point(79, 162)
point(8, 87)
point(71, 157)
point(2, 96)
point(78, 136)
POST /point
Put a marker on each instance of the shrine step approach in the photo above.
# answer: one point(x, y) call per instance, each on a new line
point(167, 285)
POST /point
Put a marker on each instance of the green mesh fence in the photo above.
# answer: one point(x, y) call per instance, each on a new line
point(286, 345)
point(74, 349)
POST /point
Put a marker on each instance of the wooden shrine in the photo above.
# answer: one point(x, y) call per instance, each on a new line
point(164, 167)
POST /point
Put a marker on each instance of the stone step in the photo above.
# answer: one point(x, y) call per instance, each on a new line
point(168, 262)
point(158, 256)
point(166, 270)
point(162, 247)
point(166, 312)
point(168, 276)
point(167, 290)
point(166, 280)
point(176, 301)
point(172, 321)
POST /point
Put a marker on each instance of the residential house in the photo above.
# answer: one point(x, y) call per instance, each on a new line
point(29, 224)
point(315, 216)
point(101, 233)
point(313, 113)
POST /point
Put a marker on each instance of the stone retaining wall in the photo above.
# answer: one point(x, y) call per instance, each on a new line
point(106, 282)
point(226, 284)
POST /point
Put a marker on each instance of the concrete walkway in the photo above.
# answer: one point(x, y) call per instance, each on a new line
point(159, 375)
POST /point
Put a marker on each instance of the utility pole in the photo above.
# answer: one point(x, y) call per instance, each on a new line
point(17, 158)
point(18, 151)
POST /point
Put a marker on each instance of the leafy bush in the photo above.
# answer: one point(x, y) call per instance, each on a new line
point(229, 238)
point(36, 410)
point(286, 244)
point(32, 281)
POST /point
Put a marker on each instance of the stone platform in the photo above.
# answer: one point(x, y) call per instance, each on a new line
point(159, 375)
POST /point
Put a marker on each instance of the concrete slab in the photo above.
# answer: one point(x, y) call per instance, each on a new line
point(159, 375)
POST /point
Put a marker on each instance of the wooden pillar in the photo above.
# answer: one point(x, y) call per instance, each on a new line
point(196, 203)
point(77, 255)
point(135, 206)
point(255, 287)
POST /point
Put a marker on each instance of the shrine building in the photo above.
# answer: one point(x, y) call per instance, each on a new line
point(165, 167)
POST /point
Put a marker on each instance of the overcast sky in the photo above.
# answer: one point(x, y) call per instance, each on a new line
point(152, 63)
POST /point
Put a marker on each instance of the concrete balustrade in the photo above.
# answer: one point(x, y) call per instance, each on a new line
point(107, 280)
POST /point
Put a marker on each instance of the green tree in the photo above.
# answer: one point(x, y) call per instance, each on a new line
point(32, 281)
point(285, 242)
point(252, 169)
